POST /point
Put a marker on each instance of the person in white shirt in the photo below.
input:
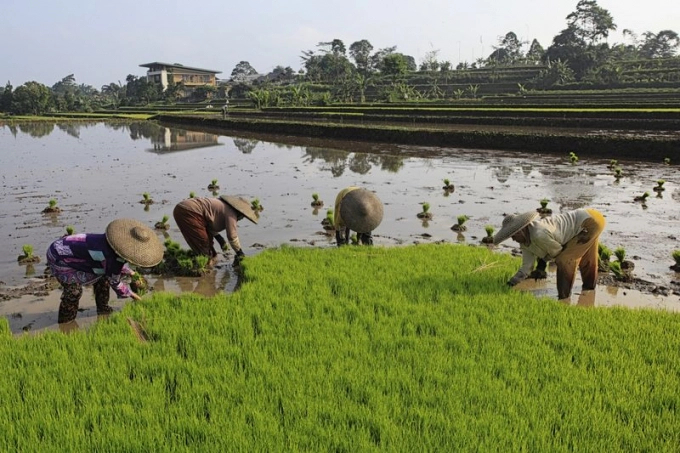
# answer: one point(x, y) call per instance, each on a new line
point(570, 239)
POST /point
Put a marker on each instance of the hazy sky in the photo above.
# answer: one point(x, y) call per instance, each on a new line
point(102, 41)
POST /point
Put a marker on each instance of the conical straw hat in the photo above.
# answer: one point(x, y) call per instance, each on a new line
point(361, 210)
point(135, 242)
point(512, 223)
point(241, 205)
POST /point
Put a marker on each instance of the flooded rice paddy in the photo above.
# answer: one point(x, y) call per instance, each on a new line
point(99, 171)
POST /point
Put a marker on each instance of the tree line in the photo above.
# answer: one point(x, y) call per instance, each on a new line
point(578, 53)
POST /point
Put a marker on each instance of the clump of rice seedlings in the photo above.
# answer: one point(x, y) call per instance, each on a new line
point(667, 160)
point(328, 221)
point(192, 194)
point(70, 230)
point(27, 257)
point(604, 255)
point(659, 185)
point(213, 185)
point(676, 256)
point(642, 198)
point(619, 274)
point(448, 186)
point(139, 284)
point(425, 214)
point(613, 163)
point(618, 173)
point(52, 207)
point(460, 226)
point(146, 199)
point(488, 239)
point(544, 207)
point(316, 201)
point(354, 239)
point(573, 157)
point(256, 206)
point(163, 224)
point(620, 254)
point(180, 262)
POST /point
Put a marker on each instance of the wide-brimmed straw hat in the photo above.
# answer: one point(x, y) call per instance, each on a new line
point(241, 205)
point(361, 210)
point(512, 223)
point(135, 242)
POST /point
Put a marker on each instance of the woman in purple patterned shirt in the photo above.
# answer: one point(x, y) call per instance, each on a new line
point(101, 260)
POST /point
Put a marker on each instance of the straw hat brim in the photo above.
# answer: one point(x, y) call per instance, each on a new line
point(241, 205)
point(135, 242)
point(361, 210)
point(512, 223)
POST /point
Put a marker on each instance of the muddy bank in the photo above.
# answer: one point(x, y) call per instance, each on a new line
point(612, 145)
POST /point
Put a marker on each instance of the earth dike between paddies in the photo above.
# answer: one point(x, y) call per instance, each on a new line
point(613, 144)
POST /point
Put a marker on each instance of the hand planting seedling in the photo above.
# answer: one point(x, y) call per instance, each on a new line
point(213, 185)
point(139, 284)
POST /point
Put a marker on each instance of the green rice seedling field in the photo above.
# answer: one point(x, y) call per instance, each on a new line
point(418, 348)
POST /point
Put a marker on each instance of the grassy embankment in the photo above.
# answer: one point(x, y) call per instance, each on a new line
point(419, 348)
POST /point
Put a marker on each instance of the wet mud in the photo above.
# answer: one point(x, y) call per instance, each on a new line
point(98, 172)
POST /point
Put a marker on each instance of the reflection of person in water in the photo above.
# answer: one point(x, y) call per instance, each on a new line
point(100, 260)
point(202, 219)
point(570, 239)
point(359, 210)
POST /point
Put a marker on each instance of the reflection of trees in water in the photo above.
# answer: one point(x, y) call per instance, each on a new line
point(71, 129)
point(37, 129)
point(501, 172)
point(360, 163)
point(391, 163)
point(245, 145)
point(148, 130)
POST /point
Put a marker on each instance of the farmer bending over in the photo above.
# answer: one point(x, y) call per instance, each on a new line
point(358, 210)
point(201, 219)
point(570, 239)
point(101, 260)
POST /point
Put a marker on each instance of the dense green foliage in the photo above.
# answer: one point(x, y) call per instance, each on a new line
point(579, 58)
point(424, 349)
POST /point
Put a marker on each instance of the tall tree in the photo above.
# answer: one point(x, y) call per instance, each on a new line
point(535, 52)
point(6, 98)
point(376, 60)
point(661, 45)
point(31, 98)
point(591, 22)
point(360, 52)
point(242, 70)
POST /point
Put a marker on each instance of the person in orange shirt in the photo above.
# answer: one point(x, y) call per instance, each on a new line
point(200, 220)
